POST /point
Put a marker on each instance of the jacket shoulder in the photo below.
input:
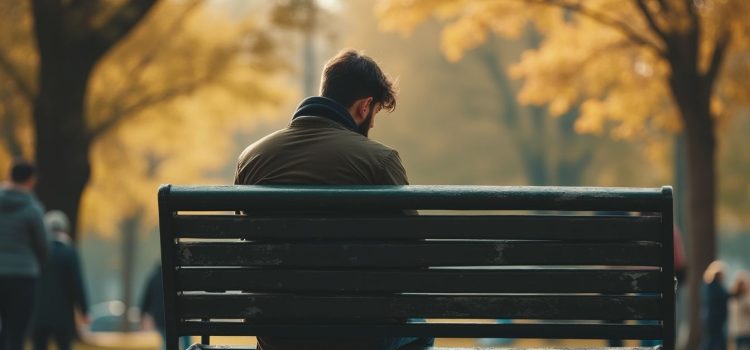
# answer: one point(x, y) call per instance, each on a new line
point(264, 142)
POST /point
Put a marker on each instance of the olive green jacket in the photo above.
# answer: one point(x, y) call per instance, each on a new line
point(318, 151)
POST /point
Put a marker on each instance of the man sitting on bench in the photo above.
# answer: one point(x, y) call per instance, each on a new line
point(326, 143)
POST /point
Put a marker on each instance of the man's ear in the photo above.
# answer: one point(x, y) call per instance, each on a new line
point(360, 109)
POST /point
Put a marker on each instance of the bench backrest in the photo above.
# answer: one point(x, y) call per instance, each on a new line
point(565, 262)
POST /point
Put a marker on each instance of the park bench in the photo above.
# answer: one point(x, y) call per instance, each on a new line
point(561, 262)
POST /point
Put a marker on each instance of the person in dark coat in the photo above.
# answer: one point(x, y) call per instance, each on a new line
point(152, 307)
point(24, 246)
point(714, 310)
point(152, 303)
point(60, 289)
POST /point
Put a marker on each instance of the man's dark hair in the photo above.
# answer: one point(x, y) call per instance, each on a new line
point(22, 171)
point(350, 76)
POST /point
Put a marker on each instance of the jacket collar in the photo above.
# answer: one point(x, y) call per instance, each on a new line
point(323, 107)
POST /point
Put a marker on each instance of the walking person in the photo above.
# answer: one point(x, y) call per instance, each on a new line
point(152, 308)
point(24, 245)
point(60, 290)
point(739, 312)
point(714, 300)
point(152, 305)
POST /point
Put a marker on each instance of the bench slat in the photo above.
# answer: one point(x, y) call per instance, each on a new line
point(443, 330)
point(416, 254)
point(596, 228)
point(291, 308)
point(384, 198)
point(425, 281)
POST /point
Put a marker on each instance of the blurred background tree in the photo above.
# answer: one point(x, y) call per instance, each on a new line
point(118, 83)
point(112, 97)
point(631, 65)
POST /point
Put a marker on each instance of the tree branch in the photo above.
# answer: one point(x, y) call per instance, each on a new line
point(665, 5)
point(650, 19)
point(602, 18)
point(148, 56)
point(21, 84)
point(690, 6)
point(717, 59)
point(81, 12)
point(120, 114)
point(119, 25)
point(9, 125)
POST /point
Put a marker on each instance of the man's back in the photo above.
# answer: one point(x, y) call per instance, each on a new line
point(319, 151)
point(314, 150)
point(327, 144)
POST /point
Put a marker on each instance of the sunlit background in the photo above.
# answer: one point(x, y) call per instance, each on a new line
point(506, 92)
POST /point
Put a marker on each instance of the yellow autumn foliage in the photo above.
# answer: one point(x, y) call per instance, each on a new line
point(165, 105)
point(588, 57)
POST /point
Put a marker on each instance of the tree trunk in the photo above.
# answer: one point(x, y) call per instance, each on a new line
point(62, 140)
point(129, 229)
point(531, 140)
point(680, 220)
point(680, 183)
point(701, 196)
point(693, 100)
point(69, 48)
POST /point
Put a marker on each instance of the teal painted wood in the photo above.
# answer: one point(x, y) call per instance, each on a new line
point(464, 280)
point(599, 228)
point(295, 308)
point(244, 347)
point(372, 198)
point(416, 254)
point(446, 330)
point(166, 213)
point(669, 283)
point(271, 202)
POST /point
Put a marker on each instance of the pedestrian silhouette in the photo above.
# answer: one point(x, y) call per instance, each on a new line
point(60, 288)
point(24, 244)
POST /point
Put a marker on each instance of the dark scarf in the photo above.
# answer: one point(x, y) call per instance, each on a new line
point(324, 107)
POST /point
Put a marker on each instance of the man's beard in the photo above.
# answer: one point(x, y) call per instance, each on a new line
point(364, 128)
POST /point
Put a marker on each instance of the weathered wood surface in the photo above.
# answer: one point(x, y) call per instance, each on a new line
point(550, 227)
point(369, 198)
point(312, 308)
point(416, 254)
point(240, 347)
point(446, 330)
point(307, 262)
point(422, 281)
